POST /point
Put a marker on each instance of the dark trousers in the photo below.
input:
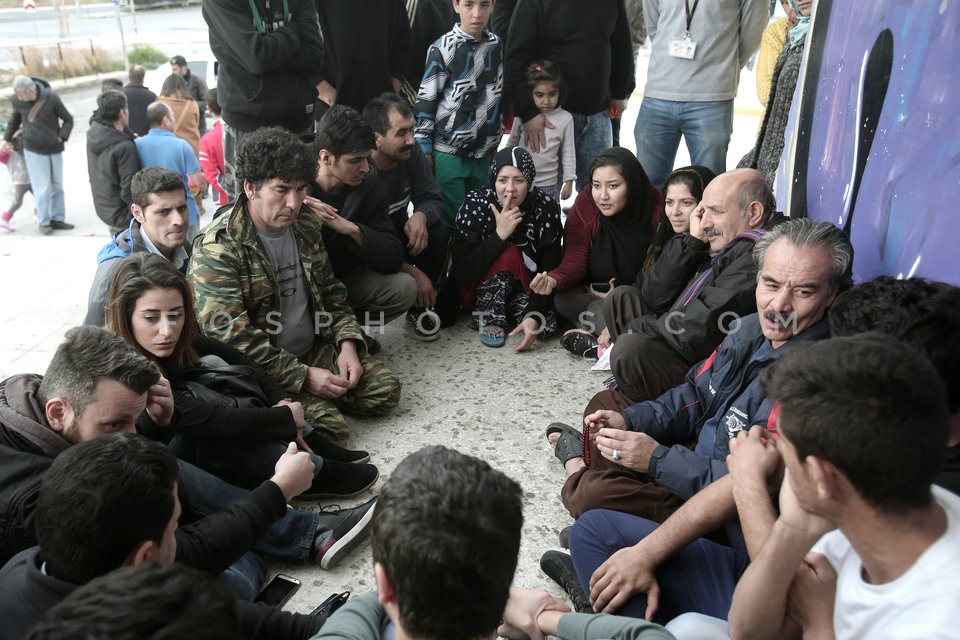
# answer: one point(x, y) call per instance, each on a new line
point(608, 485)
point(433, 258)
point(645, 367)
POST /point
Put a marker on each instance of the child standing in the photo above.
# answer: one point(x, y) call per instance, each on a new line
point(556, 162)
point(211, 151)
point(458, 105)
point(11, 157)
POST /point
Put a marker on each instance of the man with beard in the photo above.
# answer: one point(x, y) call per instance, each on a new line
point(402, 170)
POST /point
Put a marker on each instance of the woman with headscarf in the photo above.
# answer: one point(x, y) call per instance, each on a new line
point(765, 155)
point(506, 233)
point(606, 236)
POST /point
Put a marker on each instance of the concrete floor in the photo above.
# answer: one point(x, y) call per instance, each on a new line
point(492, 403)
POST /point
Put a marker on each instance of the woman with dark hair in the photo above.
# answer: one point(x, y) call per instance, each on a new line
point(175, 93)
point(683, 190)
point(506, 233)
point(231, 419)
point(606, 237)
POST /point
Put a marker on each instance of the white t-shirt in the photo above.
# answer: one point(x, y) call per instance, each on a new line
point(923, 603)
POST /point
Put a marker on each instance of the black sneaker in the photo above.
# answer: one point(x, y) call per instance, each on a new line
point(58, 225)
point(425, 323)
point(341, 531)
point(559, 567)
point(330, 451)
point(45, 229)
point(341, 480)
point(581, 343)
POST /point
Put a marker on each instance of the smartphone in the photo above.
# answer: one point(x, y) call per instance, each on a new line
point(278, 591)
point(331, 604)
point(601, 287)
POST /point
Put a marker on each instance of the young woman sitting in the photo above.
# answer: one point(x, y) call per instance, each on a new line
point(606, 237)
point(235, 429)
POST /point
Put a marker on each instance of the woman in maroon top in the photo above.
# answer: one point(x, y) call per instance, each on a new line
point(605, 238)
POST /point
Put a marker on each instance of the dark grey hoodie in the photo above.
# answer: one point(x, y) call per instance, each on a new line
point(111, 163)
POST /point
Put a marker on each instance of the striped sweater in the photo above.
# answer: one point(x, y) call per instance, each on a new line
point(458, 105)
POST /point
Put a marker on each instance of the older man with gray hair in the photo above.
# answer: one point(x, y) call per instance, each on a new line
point(41, 124)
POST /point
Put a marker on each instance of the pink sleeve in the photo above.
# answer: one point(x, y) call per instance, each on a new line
point(577, 237)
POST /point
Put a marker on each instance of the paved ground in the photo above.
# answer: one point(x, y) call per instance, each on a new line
point(491, 403)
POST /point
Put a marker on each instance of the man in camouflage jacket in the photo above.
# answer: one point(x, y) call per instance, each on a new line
point(263, 284)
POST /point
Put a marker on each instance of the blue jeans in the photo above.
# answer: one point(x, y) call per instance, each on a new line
point(46, 177)
point(705, 126)
point(592, 135)
point(245, 576)
point(700, 578)
point(201, 494)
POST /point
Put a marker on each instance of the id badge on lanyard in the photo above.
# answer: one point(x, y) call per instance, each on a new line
point(685, 47)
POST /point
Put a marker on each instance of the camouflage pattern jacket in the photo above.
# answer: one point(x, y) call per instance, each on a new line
point(238, 298)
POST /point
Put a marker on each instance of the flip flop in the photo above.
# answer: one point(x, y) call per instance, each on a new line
point(569, 444)
point(492, 336)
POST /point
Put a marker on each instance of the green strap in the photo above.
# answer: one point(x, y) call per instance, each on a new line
point(258, 21)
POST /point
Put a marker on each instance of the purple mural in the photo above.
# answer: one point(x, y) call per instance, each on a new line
point(875, 145)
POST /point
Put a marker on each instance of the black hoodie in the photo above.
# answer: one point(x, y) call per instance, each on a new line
point(111, 163)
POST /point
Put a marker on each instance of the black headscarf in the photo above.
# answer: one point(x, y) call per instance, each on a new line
point(620, 245)
point(540, 226)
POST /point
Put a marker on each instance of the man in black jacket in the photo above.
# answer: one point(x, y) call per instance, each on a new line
point(111, 160)
point(138, 99)
point(703, 281)
point(367, 49)
point(365, 251)
point(111, 502)
point(271, 60)
point(43, 124)
point(590, 42)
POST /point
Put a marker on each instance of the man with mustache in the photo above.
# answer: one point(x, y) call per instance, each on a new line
point(365, 251)
point(263, 283)
point(641, 461)
point(700, 283)
point(402, 170)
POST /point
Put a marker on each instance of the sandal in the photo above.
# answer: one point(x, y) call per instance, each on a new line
point(492, 336)
point(569, 444)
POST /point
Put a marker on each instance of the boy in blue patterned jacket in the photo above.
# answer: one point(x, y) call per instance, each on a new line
point(458, 105)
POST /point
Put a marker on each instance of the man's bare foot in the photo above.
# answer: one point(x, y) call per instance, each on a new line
point(571, 466)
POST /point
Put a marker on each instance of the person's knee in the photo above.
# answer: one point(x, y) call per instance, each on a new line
point(626, 357)
point(379, 389)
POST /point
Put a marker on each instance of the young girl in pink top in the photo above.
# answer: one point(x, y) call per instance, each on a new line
point(556, 162)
